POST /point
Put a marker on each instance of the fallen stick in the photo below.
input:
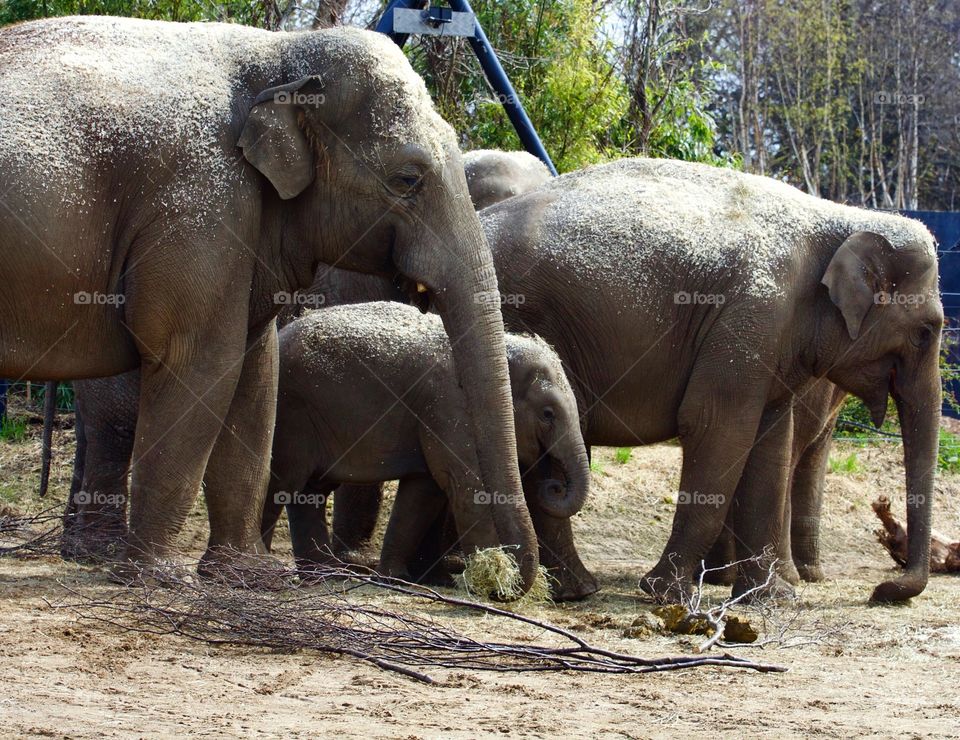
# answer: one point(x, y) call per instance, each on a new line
point(944, 554)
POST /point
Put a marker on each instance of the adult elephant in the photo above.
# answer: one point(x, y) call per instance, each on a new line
point(702, 303)
point(166, 183)
point(106, 408)
point(494, 176)
point(731, 311)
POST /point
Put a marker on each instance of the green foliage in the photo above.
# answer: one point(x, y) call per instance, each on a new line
point(559, 66)
point(948, 454)
point(845, 465)
point(596, 468)
point(13, 429)
point(622, 455)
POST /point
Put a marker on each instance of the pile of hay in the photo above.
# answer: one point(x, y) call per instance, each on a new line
point(494, 573)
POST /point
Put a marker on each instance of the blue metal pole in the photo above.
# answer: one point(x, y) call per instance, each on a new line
point(491, 68)
point(501, 84)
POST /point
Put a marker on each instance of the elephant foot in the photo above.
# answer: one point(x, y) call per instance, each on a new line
point(567, 585)
point(229, 567)
point(788, 572)
point(88, 539)
point(667, 588)
point(752, 590)
point(139, 571)
point(362, 557)
point(811, 573)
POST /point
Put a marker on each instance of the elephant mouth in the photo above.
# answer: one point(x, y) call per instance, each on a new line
point(418, 294)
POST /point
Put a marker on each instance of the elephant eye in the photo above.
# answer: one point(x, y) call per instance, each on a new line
point(406, 183)
point(547, 414)
point(923, 335)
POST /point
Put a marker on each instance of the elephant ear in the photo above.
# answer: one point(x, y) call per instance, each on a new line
point(860, 269)
point(273, 142)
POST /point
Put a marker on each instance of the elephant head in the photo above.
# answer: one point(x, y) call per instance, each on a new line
point(549, 442)
point(888, 319)
point(369, 176)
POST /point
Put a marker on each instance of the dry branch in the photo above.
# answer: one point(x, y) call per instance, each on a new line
point(332, 617)
point(944, 554)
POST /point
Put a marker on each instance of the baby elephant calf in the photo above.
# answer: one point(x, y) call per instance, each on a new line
point(368, 393)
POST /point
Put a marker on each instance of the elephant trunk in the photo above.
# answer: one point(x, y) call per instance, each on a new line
point(918, 406)
point(471, 317)
point(565, 496)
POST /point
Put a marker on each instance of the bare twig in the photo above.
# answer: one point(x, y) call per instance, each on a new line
point(322, 618)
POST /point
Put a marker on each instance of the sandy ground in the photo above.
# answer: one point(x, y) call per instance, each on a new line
point(876, 671)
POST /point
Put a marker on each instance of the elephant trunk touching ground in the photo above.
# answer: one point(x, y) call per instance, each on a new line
point(918, 405)
point(476, 334)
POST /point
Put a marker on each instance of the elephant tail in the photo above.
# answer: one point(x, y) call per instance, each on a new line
point(46, 455)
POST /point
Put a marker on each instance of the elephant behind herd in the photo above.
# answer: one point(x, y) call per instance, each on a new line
point(684, 301)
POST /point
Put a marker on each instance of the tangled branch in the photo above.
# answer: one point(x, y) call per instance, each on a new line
point(331, 616)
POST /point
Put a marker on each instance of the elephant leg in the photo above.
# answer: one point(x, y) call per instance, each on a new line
point(307, 516)
point(806, 502)
point(758, 506)
point(719, 569)
point(786, 568)
point(419, 504)
point(717, 431)
point(238, 471)
point(356, 509)
point(184, 401)
point(571, 581)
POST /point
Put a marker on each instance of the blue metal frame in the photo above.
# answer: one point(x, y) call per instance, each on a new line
point(491, 68)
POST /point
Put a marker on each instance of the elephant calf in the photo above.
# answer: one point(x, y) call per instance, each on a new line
point(368, 393)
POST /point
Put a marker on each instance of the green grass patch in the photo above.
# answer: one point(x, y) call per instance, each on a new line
point(622, 455)
point(845, 465)
point(13, 429)
point(948, 455)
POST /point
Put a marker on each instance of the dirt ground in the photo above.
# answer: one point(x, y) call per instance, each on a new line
point(862, 670)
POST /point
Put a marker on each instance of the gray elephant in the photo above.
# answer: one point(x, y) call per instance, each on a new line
point(165, 183)
point(108, 406)
point(722, 308)
point(798, 555)
point(493, 175)
point(727, 296)
point(368, 393)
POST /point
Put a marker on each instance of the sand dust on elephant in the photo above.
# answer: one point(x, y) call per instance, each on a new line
point(883, 671)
